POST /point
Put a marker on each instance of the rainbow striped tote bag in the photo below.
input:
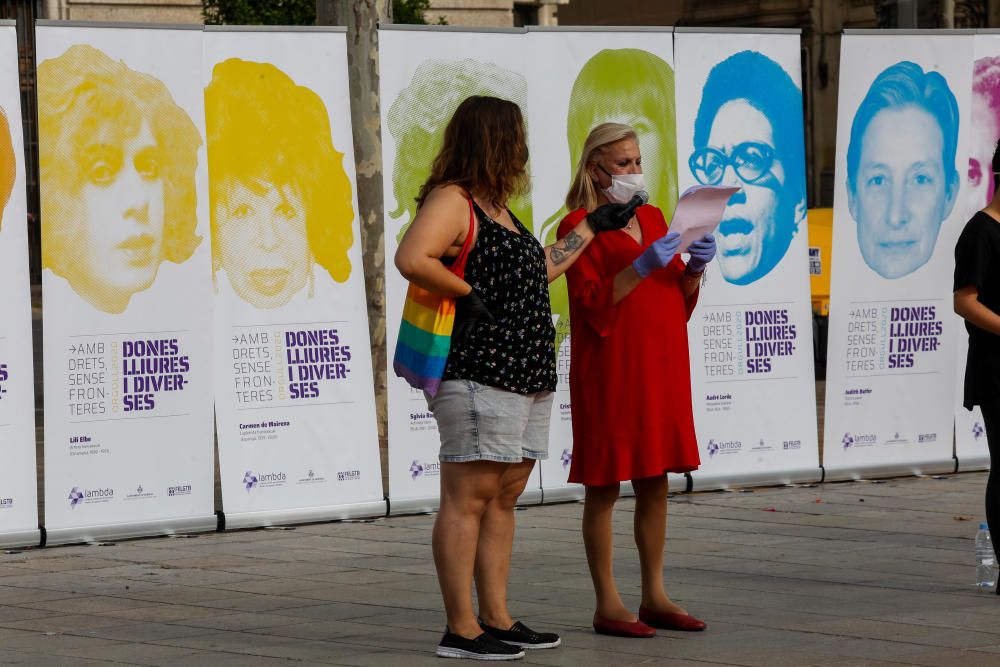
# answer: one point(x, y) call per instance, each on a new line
point(425, 331)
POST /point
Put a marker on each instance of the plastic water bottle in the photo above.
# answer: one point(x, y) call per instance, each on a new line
point(986, 570)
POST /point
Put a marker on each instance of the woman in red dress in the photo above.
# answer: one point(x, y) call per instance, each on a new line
point(630, 297)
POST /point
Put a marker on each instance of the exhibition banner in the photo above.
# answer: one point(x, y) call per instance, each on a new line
point(984, 129)
point(592, 76)
point(127, 281)
point(739, 123)
point(294, 399)
point(424, 74)
point(901, 159)
point(18, 496)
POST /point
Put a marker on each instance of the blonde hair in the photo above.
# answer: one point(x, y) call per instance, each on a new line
point(582, 193)
point(262, 126)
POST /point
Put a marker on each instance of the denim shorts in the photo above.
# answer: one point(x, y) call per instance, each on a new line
point(482, 423)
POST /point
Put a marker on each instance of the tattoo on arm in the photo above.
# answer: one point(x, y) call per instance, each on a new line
point(565, 248)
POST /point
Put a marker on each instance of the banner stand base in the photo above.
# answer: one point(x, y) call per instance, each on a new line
point(531, 497)
point(563, 494)
point(414, 505)
point(125, 531)
point(936, 467)
point(284, 517)
point(27, 538)
point(971, 463)
point(763, 478)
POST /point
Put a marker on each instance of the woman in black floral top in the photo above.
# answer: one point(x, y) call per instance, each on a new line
point(494, 404)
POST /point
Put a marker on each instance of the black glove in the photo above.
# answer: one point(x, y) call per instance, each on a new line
point(608, 217)
point(469, 311)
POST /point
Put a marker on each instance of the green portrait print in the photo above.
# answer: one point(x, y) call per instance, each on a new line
point(419, 114)
point(633, 87)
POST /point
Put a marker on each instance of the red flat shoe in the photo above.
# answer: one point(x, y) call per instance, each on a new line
point(671, 621)
point(636, 629)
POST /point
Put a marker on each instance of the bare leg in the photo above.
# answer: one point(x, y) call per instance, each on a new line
point(650, 535)
point(598, 508)
point(496, 540)
point(466, 491)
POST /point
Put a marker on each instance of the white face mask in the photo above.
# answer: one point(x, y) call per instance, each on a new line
point(623, 186)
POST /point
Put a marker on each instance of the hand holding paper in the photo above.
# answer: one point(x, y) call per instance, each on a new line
point(699, 212)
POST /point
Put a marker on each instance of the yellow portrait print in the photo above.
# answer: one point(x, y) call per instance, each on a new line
point(281, 200)
point(8, 169)
point(117, 160)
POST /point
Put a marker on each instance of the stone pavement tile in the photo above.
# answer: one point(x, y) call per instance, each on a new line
point(10, 614)
point(146, 632)
point(239, 621)
point(59, 562)
point(195, 577)
point(900, 632)
point(564, 657)
point(281, 568)
point(331, 630)
point(175, 594)
point(85, 604)
point(16, 659)
point(17, 595)
point(268, 586)
point(332, 611)
point(267, 646)
point(965, 658)
point(130, 654)
point(220, 659)
point(64, 623)
point(210, 562)
point(947, 618)
point(50, 643)
point(164, 613)
point(251, 602)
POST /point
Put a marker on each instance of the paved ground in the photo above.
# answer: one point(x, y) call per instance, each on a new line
point(846, 574)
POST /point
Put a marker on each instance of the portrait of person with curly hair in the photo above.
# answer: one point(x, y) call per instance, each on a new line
point(117, 161)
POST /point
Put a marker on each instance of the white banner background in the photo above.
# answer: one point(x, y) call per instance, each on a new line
point(18, 495)
point(124, 464)
point(304, 448)
point(558, 123)
point(750, 337)
point(882, 419)
point(424, 74)
point(970, 432)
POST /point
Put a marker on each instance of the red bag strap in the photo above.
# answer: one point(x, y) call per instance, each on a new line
point(458, 267)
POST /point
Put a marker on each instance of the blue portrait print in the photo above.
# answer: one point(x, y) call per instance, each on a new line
point(901, 177)
point(748, 133)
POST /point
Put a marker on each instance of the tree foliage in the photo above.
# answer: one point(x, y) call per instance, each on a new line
point(412, 11)
point(259, 12)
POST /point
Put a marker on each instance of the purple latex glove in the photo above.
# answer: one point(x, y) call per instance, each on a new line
point(702, 252)
point(657, 255)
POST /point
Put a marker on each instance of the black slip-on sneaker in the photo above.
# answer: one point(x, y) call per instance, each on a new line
point(521, 635)
point(483, 647)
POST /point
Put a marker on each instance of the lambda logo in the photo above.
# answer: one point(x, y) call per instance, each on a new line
point(566, 458)
point(78, 496)
point(724, 447)
point(858, 440)
point(252, 480)
point(418, 469)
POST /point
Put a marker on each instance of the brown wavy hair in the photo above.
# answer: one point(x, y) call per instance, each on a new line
point(484, 150)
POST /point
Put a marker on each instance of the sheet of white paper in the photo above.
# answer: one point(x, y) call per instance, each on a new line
point(699, 211)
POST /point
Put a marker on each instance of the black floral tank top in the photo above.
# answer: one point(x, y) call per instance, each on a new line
point(517, 352)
